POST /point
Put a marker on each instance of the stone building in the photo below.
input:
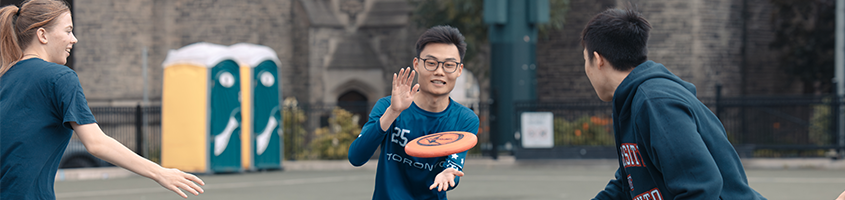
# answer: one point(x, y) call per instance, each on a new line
point(346, 50)
point(113, 34)
point(333, 51)
point(329, 50)
point(331, 47)
point(341, 52)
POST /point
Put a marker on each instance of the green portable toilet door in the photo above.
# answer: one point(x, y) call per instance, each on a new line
point(225, 122)
point(267, 116)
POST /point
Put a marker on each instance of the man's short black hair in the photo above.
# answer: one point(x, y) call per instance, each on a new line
point(620, 36)
point(442, 34)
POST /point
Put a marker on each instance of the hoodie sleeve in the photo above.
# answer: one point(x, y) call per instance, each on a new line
point(677, 149)
point(614, 189)
point(371, 135)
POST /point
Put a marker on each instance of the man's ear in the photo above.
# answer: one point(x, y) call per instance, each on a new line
point(414, 64)
point(460, 69)
point(41, 34)
point(598, 59)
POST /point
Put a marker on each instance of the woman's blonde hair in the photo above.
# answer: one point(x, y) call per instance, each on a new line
point(18, 27)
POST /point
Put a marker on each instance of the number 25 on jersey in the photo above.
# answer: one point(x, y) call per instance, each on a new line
point(398, 136)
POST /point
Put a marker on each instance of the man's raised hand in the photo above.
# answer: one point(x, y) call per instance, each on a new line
point(402, 93)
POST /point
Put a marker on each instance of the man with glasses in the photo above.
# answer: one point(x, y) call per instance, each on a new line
point(415, 110)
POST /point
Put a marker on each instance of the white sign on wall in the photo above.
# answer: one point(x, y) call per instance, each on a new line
point(537, 130)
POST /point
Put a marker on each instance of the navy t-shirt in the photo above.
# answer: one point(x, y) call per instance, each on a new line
point(38, 99)
point(400, 176)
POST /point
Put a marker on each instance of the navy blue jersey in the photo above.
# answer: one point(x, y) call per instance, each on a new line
point(670, 145)
point(38, 100)
point(400, 176)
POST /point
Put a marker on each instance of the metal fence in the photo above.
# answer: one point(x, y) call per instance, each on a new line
point(138, 128)
point(303, 139)
point(782, 126)
point(766, 126)
point(581, 129)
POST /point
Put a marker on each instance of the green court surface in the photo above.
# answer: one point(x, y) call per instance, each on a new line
point(520, 181)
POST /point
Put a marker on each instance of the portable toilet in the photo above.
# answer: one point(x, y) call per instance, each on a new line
point(201, 110)
point(262, 97)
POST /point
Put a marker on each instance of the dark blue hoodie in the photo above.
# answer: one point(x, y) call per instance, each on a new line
point(670, 145)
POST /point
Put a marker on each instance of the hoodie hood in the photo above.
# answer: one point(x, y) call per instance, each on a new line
point(625, 92)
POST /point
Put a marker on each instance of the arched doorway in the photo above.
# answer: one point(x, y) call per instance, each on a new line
point(356, 103)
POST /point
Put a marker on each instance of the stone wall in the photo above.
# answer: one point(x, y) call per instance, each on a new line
point(112, 35)
point(705, 42)
point(560, 60)
point(762, 74)
point(701, 41)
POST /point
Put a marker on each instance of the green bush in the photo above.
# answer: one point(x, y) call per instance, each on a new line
point(333, 142)
point(786, 153)
point(587, 130)
point(294, 134)
point(820, 125)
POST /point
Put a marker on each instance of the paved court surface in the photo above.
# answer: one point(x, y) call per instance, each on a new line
point(531, 181)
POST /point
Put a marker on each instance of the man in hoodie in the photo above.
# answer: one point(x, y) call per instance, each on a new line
point(670, 145)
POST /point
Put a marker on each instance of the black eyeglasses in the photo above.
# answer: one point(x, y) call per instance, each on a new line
point(432, 64)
